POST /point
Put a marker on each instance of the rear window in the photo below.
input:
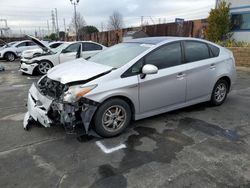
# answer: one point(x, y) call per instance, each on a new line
point(215, 51)
point(196, 51)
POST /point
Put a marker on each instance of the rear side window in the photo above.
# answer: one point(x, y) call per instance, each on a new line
point(91, 47)
point(21, 44)
point(30, 43)
point(195, 51)
point(215, 51)
point(166, 56)
point(55, 45)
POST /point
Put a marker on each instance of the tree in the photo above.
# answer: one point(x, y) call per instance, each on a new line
point(88, 29)
point(219, 22)
point(80, 22)
point(62, 34)
point(115, 21)
point(53, 36)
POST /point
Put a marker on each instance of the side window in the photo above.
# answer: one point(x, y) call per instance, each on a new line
point(195, 51)
point(31, 43)
point(215, 51)
point(91, 47)
point(72, 48)
point(166, 56)
point(21, 45)
point(134, 70)
point(55, 45)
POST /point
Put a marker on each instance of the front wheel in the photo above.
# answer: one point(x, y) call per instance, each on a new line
point(112, 118)
point(44, 67)
point(9, 56)
point(220, 92)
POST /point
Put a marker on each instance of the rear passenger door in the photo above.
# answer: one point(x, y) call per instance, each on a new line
point(89, 49)
point(168, 87)
point(201, 70)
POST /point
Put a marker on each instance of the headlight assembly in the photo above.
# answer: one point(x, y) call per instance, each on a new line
point(74, 93)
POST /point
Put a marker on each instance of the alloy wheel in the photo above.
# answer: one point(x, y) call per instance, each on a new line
point(220, 92)
point(114, 118)
point(44, 67)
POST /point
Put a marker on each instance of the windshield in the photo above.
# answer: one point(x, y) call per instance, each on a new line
point(60, 48)
point(119, 55)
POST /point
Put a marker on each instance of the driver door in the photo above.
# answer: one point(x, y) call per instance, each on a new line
point(70, 53)
point(168, 87)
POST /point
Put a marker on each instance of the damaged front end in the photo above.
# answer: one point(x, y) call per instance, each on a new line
point(53, 103)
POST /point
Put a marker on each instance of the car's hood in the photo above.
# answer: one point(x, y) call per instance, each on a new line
point(40, 44)
point(77, 70)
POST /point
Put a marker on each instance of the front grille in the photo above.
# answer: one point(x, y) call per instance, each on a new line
point(51, 88)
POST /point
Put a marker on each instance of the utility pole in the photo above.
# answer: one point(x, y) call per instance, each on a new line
point(75, 3)
point(142, 18)
point(53, 22)
point(48, 27)
point(57, 26)
point(64, 23)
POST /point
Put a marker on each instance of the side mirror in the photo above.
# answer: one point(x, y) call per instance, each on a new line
point(149, 69)
point(63, 51)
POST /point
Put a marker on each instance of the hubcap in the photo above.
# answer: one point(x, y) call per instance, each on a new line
point(220, 92)
point(114, 118)
point(44, 67)
point(11, 57)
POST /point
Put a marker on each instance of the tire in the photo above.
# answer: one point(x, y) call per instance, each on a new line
point(220, 92)
point(106, 120)
point(10, 56)
point(44, 67)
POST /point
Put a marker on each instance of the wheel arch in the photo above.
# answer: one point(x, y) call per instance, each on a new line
point(9, 52)
point(227, 79)
point(124, 98)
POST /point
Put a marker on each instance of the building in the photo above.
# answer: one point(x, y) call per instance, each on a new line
point(240, 15)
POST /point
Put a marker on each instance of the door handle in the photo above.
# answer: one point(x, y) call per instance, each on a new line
point(212, 66)
point(180, 75)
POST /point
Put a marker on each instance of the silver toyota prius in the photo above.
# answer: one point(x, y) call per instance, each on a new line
point(131, 81)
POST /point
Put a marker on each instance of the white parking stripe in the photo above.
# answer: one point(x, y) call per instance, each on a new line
point(109, 150)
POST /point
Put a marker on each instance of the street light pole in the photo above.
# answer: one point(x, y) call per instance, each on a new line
point(75, 3)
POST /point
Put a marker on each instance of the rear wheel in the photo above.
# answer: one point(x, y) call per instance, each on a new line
point(220, 92)
point(9, 56)
point(44, 67)
point(112, 118)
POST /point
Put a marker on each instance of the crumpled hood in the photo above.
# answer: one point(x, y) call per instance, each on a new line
point(77, 70)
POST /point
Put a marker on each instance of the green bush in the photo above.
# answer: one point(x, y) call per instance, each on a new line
point(219, 22)
point(230, 43)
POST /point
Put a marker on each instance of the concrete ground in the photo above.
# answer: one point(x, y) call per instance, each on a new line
point(199, 146)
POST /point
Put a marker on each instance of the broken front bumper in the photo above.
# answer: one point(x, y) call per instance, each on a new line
point(50, 112)
point(38, 107)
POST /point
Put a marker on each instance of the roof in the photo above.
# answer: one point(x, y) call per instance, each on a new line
point(157, 40)
point(152, 40)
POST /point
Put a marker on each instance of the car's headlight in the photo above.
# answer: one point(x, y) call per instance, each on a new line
point(74, 93)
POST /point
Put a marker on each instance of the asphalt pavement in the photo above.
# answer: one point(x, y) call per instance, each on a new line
point(199, 146)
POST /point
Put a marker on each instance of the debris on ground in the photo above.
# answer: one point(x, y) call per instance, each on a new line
point(2, 68)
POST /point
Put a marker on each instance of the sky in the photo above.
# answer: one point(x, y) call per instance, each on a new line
point(26, 16)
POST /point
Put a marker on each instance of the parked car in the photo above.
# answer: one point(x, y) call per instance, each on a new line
point(70, 51)
point(12, 51)
point(132, 80)
point(29, 54)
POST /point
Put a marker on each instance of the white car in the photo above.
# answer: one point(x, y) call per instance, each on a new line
point(28, 54)
point(11, 52)
point(66, 52)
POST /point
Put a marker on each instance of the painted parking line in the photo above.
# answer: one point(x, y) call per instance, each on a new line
point(109, 150)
